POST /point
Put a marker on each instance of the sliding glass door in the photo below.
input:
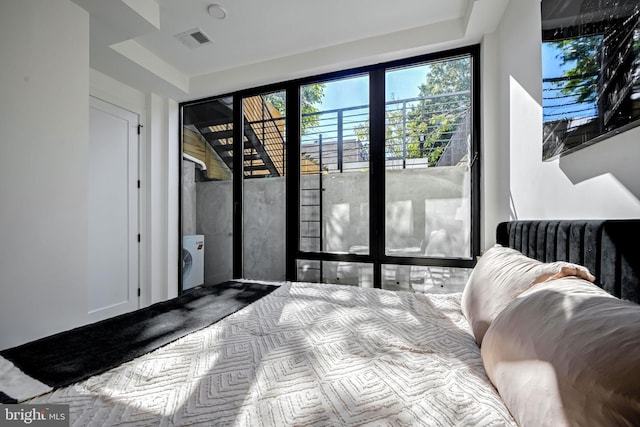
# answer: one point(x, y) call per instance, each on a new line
point(383, 183)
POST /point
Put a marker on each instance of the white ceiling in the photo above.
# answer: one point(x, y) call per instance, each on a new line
point(258, 30)
point(264, 41)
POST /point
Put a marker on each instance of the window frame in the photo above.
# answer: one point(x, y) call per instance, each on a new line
point(376, 256)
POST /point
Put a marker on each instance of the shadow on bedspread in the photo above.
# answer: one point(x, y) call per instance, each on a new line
point(305, 355)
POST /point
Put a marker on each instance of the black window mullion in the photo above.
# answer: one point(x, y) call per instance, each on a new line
point(475, 152)
point(292, 181)
point(180, 195)
point(376, 172)
point(238, 176)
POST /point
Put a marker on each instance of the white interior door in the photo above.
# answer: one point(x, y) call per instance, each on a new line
point(113, 210)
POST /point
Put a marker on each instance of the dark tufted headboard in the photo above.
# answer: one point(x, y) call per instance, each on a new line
point(610, 249)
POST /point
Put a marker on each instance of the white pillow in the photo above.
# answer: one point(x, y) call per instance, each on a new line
point(502, 274)
point(566, 353)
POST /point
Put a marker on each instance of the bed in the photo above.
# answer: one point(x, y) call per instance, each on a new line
point(334, 355)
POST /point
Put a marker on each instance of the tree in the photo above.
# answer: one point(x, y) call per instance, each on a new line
point(422, 128)
point(581, 80)
point(310, 97)
point(444, 103)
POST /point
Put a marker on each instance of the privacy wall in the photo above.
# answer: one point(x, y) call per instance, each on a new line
point(419, 203)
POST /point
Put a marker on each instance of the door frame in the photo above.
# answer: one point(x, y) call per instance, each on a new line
point(133, 202)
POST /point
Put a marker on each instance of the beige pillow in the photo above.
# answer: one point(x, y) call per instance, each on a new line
point(566, 353)
point(502, 274)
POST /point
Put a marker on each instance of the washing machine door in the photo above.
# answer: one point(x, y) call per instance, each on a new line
point(192, 261)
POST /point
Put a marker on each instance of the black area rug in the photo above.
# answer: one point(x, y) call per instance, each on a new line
point(71, 356)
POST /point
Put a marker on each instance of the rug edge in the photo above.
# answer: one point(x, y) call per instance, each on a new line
point(17, 385)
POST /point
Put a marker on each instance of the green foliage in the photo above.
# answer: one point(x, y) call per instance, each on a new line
point(423, 128)
point(444, 102)
point(311, 97)
point(584, 52)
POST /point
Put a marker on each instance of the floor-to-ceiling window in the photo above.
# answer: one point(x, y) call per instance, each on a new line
point(427, 171)
point(382, 188)
point(207, 192)
point(334, 178)
point(264, 187)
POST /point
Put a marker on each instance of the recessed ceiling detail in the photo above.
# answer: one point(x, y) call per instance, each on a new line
point(258, 44)
point(194, 38)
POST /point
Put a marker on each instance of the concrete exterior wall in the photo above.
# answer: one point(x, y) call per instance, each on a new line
point(345, 211)
point(427, 213)
point(264, 228)
point(419, 203)
point(188, 198)
point(214, 220)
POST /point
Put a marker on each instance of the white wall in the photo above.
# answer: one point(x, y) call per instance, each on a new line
point(158, 172)
point(44, 128)
point(45, 83)
point(162, 182)
point(600, 181)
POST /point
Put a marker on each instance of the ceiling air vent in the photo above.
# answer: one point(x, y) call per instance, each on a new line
point(194, 38)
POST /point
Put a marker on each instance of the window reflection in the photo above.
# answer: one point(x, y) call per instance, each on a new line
point(591, 71)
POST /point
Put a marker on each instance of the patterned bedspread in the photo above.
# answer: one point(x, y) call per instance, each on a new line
point(306, 354)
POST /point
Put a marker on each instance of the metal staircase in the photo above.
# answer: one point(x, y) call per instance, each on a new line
point(263, 134)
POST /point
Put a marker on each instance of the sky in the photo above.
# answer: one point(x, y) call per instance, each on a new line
point(550, 63)
point(354, 91)
point(403, 83)
point(400, 84)
point(551, 68)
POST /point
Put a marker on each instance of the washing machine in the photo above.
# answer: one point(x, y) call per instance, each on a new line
point(192, 261)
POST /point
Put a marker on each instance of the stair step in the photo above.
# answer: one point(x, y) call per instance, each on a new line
point(256, 168)
point(229, 147)
point(216, 135)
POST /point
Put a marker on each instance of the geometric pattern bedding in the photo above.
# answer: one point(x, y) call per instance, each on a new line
point(306, 354)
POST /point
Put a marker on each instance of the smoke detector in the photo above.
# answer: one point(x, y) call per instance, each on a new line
point(217, 11)
point(194, 38)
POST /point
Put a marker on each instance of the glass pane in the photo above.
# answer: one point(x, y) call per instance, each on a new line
point(334, 166)
point(424, 279)
point(264, 186)
point(207, 191)
point(427, 152)
point(590, 84)
point(342, 273)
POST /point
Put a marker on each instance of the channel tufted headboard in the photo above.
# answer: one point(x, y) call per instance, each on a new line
point(610, 249)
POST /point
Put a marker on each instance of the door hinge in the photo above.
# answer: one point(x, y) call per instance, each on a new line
point(138, 183)
point(139, 127)
point(138, 291)
point(138, 238)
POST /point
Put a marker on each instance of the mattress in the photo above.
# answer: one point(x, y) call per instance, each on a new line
point(306, 354)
